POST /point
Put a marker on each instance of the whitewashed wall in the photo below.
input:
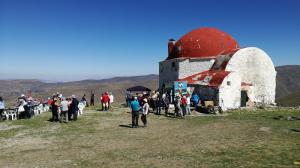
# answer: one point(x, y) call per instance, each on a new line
point(230, 93)
point(255, 67)
point(182, 68)
point(188, 67)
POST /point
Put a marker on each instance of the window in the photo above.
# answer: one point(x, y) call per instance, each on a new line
point(228, 83)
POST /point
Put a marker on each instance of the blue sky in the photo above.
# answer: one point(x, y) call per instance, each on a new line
point(79, 39)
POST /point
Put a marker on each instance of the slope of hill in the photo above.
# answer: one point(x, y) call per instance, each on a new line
point(288, 80)
point(288, 86)
point(11, 89)
point(292, 99)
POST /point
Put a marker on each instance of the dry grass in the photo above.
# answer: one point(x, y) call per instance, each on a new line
point(242, 139)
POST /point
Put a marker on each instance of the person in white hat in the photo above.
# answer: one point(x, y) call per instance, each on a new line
point(145, 112)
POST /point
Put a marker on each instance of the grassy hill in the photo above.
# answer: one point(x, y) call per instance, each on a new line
point(292, 99)
point(288, 80)
point(99, 139)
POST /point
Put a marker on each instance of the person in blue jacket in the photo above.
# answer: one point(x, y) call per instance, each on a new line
point(195, 100)
point(135, 107)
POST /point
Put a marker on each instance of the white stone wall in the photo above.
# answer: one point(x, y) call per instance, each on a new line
point(230, 92)
point(255, 67)
point(168, 72)
point(182, 68)
point(188, 67)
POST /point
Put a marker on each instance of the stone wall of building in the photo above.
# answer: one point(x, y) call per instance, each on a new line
point(174, 69)
point(230, 92)
point(256, 68)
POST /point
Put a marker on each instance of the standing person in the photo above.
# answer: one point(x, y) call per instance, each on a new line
point(145, 112)
point(178, 110)
point(166, 102)
point(111, 100)
point(101, 99)
point(55, 105)
point(74, 107)
point(135, 107)
point(183, 105)
point(159, 104)
point(154, 100)
point(64, 110)
point(188, 104)
point(92, 103)
point(2, 107)
point(105, 101)
point(195, 99)
point(83, 99)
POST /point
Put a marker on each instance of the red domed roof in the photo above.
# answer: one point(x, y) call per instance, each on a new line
point(203, 43)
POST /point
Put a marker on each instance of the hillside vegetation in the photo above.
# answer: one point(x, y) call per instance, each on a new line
point(288, 80)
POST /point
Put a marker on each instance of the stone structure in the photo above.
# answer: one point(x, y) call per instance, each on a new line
point(210, 59)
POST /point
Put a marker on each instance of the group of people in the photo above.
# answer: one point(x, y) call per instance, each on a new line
point(136, 107)
point(64, 109)
point(141, 103)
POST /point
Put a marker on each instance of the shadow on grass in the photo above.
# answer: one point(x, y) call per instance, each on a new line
point(125, 126)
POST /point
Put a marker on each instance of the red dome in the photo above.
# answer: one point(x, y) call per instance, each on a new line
point(203, 43)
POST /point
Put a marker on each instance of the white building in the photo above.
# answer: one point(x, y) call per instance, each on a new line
point(210, 59)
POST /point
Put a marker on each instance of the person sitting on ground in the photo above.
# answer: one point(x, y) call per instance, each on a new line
point(2, 107)
point(145, 112)
point(135, 108)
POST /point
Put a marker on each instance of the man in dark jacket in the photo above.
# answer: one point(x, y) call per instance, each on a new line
point(74, 107)
point(92, 99)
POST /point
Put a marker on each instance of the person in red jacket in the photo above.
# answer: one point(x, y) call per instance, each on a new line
point(105, 101)
point(183, 105)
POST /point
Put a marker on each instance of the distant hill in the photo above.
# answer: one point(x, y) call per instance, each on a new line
point(11, 89)
point(292, 99)
point(288, 80)
point(287, 90)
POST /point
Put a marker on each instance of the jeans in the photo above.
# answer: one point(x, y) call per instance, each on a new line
point(1, 111)
point(183, 110)
point(135, 118)
point(64, 115)
point(144, 119)
point(188, 109)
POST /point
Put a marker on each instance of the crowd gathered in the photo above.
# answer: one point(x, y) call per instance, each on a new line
point(65, 109)
point(157, 102)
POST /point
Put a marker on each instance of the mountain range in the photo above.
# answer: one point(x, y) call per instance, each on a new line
point(287, 90)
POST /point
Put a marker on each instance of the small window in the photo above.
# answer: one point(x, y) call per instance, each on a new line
point(228, 83)
point(173, 64)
